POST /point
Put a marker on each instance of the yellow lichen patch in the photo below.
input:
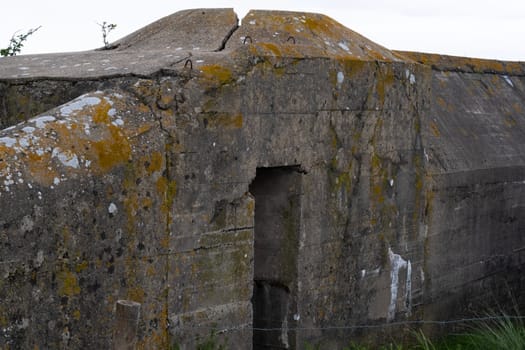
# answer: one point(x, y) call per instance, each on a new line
point(352, 66)
point(69, 136)
point(160, 338)
point(224, 120)
point(434, 128)
point(131, 133)
point(516, 68)
point(271, 48)
point(155, 162)
point(67, 283)
point(376, 55)
point(136, 294)
point(419, 176)
point(146, 88)
point(113, 151)
point(509, 121)
point(168, 190)
point(344, 181)
point(162, 185)
point(476, 65)
point(326, 28)
point(81, 266)
point(143, 108)
point(100, 112)
point(251, 208)
point(217, 73)
point(5, 151)
point(165, 242)
point(441, 102)
point(40, 168)
point(131, 205)
point(151, 271)
point(3, 318)
point(165, 100)
point(76, 314)
point(496, 80)
point(319, 25)
point(146, 203)
point(377, 179)
point(385, 80)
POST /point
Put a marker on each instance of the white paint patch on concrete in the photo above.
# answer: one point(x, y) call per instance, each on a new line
point(118, 122)
point(340, 77)
point(40, 122)
point(23, 142)
point(79, 104)
point(28, 129)
point(507, 79)
point(411, 77)
point(397, 263)
point(112, 209)
point(408, 289)
point(8, 141)
point(344, 46)
point(67, 158)
point(27, 224)
point(375, 272)
point(39, 258)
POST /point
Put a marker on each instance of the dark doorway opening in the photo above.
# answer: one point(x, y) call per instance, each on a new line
point(277, 193)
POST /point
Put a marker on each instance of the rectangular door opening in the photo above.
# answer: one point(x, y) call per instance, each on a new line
point(277, 193)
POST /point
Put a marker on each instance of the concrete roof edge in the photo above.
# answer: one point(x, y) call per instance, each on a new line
point(461, 64)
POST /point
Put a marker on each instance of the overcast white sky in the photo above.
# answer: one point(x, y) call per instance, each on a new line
point(480, 28)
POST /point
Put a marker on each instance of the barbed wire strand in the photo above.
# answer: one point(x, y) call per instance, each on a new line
point(350, 327)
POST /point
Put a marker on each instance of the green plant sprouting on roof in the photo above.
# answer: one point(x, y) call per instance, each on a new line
point(17, 42)
point(106, 29)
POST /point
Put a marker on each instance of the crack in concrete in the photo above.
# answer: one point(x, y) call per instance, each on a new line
point(228, 36)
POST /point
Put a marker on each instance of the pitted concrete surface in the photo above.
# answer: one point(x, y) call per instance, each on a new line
point(163, 44)
point(191, 30)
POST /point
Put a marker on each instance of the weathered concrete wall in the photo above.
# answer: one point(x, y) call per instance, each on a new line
point(473, 141)
point(403, 198)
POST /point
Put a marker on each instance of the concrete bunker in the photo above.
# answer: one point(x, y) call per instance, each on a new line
point(407, 157)
point(277, 193)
